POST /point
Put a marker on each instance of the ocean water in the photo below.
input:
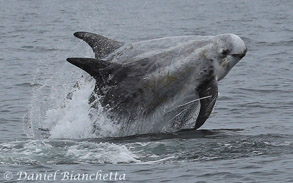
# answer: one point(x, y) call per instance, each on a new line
point(248, 138)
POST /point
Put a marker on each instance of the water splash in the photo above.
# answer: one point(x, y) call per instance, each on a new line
point(76, 119)
point(63, 111)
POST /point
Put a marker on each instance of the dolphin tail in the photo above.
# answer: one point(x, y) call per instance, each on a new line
point(101, 45)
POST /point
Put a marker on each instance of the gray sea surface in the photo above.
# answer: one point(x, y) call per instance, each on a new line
point(248, 138)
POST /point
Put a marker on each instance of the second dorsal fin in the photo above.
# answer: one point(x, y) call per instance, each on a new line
point(96, 68)
point(101, 45)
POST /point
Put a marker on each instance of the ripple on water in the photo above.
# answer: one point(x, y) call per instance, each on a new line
point(176, 148)
point(38, 152)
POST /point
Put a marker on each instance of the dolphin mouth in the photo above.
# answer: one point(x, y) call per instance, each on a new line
point(241, 55)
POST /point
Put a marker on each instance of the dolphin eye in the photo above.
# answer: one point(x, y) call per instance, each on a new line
point(225, 52)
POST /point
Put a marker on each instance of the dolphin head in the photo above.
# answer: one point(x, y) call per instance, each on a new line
point(229, 49)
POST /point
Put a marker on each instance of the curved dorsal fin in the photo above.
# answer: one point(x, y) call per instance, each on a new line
point(101, 45)
point(96, 68)
point(104, 72)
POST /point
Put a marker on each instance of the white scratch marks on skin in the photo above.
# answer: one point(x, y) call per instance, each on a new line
point(190, 102)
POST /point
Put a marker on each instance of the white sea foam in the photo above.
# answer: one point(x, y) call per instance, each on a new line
point(65, 152)
point(102, 153)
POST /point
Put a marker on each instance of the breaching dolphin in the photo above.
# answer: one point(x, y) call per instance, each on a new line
point(159, 85)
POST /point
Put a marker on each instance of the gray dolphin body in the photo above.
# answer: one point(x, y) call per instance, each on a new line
point(159, 85)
